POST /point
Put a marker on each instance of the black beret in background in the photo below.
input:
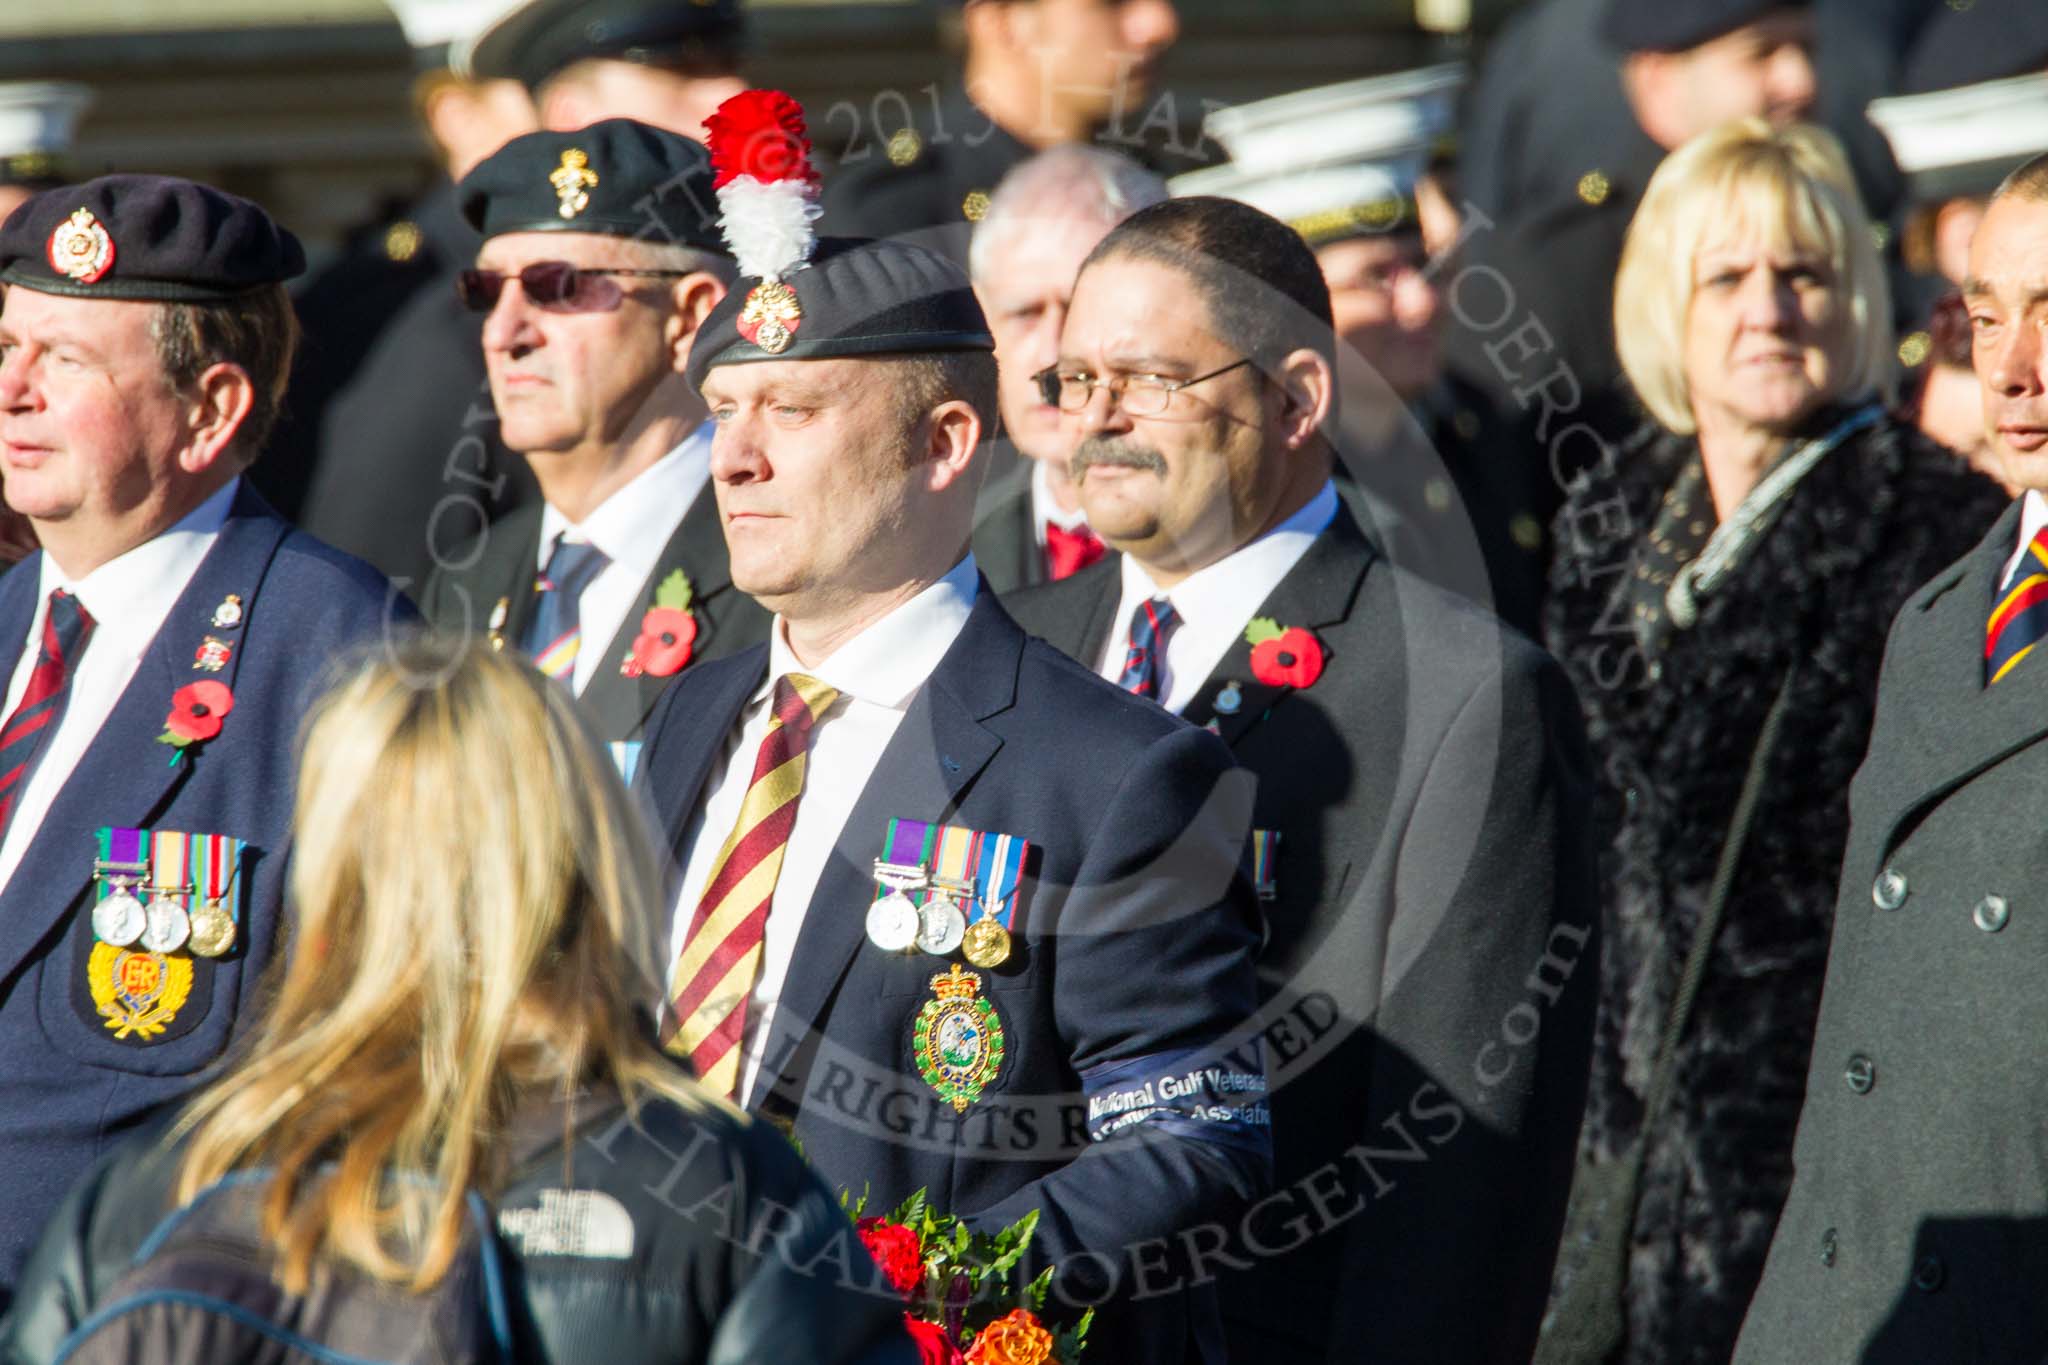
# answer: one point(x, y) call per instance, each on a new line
point(147, 237)
point(1675, 25)
point(536, 40)
point(1987, 41)
point(855, 298)
point(616, 177)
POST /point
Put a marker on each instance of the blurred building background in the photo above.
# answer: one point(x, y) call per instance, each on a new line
point(305, 105)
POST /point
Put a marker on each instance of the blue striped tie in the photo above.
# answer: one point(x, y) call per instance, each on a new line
point(1145, 664)
point(554, 636)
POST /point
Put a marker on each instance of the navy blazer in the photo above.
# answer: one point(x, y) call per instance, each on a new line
point(1133, 965)
point(70, 1086)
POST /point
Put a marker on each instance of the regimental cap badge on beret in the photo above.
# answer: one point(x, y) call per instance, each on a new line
point(573, 180)
point(768, 200)
point(80, 248)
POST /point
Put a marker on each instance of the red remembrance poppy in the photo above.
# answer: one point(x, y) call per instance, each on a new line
point(1294, 659)
point(197, 709)
point(663, 646)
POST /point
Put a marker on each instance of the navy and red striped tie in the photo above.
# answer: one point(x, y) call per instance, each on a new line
point(1145, 664)
point(66, 627)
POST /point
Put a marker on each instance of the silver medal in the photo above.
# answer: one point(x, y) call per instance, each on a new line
point(893, 923)
point(941, 925)
point(168, 927)
point(119, 919)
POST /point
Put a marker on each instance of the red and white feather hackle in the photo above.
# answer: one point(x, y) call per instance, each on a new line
point(767, 188)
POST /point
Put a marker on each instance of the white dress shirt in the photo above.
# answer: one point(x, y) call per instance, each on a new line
point(1045, 510)
point(631, 527)
point(1214, 604)
point(2033, 516)
point(878, 673)
point(128, 598)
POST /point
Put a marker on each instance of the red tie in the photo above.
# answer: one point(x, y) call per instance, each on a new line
point(66, 627)
point(1068, 552)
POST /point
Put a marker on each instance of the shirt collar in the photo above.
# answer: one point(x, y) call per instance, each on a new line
point(632, 526)
point(887, 663)
point(1044, 510)
point(2033, 517)
point(142, 584)
point(1233, 587)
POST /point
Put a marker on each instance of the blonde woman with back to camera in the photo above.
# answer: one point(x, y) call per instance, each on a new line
point(1723, 585)
point(475, 901)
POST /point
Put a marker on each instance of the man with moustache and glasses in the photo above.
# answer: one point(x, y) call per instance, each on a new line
point(1917, 1226)
point(1417, 844)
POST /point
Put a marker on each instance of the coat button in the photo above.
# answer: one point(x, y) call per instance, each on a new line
point(1992, 913)
point(1928, 1274)
point(1828, 1245)
point(1889, 891)
point(1861, 1073)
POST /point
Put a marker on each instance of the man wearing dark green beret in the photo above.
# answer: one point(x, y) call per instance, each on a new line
point(160, 652)
point(600, 263)
point(1055, 929)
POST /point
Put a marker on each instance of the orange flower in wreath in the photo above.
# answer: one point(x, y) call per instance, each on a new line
point(1016, 1338)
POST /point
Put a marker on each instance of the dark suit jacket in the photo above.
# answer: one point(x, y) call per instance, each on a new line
point(1005, 535)
point(1430, 967)
point(1914, 1228)
point(501, 565)
point(406, 466)
point(1133, 964)
point(70, 1086)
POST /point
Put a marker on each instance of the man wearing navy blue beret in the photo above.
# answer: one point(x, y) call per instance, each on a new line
point(967, 917)
point(162, 647)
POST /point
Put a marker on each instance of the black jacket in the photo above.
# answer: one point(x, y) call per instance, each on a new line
point(735, 1254)
point(1431, 897)
point(1869, 524)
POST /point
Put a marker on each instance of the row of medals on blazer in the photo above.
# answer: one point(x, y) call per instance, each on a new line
point(164, 925)
point(896, 924)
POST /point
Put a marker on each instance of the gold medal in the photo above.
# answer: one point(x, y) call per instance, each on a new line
point(987, 943)
point(213, 930)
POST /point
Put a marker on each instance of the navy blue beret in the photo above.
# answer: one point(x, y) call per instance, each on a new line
point(617, 177)
point(1675, 25)
point(145, 237)
point(855, 298)
point(536, 40)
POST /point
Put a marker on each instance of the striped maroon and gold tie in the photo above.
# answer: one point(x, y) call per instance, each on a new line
point(2021, 617)
point(721, 958)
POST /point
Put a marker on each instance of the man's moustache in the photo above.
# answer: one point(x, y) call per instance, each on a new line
point(1124, 454)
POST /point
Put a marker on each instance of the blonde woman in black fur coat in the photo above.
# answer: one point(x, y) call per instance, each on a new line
point(1768, 523)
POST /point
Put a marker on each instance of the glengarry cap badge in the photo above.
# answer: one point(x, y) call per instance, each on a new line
point(80, 248)
point(573, 180)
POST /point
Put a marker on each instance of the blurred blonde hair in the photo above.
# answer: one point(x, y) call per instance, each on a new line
point(1791, 187)
point(475, 901)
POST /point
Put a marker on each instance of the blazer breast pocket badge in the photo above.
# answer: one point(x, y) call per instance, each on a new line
point(163, 901)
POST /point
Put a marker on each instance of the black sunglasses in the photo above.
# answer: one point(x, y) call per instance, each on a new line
point(555, 286)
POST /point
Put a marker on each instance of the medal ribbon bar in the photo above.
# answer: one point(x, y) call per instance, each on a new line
point(171, 861)
point(908, 845)
point(1002, 867)
point(122, 859)
point(956, 866)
